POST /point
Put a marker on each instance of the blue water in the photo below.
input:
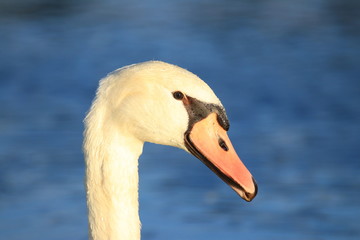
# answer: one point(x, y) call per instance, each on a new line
point(287, 72)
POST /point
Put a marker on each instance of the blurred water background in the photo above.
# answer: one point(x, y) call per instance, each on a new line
point(287, 72)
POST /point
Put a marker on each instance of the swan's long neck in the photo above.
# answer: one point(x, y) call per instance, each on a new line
point(111, 180)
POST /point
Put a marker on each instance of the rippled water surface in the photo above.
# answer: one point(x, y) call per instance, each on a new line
point(287, 72)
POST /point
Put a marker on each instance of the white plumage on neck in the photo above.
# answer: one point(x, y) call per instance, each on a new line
point(111, 179)
point(112, 188)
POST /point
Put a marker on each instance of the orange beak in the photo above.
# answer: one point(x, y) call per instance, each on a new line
point(209, 142)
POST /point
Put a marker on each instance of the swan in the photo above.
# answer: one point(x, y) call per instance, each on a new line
point(153, 102)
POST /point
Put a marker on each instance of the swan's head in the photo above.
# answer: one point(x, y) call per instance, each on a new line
point(165, 104)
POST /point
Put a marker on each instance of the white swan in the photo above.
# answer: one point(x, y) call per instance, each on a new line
point(150, 102)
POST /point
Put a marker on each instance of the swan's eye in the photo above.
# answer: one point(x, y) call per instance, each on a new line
point(178, 95)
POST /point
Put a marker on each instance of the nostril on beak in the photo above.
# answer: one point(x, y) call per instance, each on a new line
point(223, 145)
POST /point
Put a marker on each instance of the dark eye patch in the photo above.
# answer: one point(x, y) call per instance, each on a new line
point(199, 110)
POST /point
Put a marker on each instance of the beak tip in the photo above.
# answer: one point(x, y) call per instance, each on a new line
point(246, 195)
point(250, 196)
point(256, 187)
